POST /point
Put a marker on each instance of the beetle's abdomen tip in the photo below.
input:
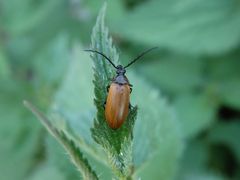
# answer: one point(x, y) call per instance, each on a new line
point(114, 127)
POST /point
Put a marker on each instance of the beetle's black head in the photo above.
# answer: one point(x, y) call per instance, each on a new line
point(120, 78)
point(120, 70)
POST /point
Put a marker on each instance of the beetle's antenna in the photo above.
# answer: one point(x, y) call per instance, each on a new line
point(139, 56)
point(109, 60)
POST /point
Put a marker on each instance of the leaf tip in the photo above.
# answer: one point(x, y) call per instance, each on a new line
point(102, 12)
point(104, 7)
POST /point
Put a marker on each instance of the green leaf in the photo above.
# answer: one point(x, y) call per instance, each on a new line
point(54, 167)
point(228, 91)
point(203, 175)
point(157, 138)
point(116, 143)
point(73, 111)
point(74, 152)
point(50, 63)
point(4, 65)
point(226, 133)
point(224, 79)
point(47, 172)
point(31, 26)
point(195, 157)
point(172, 73)
point(195, 112)
point(53, 151)
point(195, 162)
point(22, 17)
point(224, 67)
point(200, 26)
point(20, 136)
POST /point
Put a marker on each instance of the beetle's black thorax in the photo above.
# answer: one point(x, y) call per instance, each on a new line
point(120, 77)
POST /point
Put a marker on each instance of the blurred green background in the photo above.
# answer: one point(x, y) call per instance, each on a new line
point(197, 68)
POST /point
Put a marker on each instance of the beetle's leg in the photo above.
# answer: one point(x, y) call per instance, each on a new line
point(104, 105)
point(130, 106)
point(108, 88)
point(130, 85)
point(130, 90)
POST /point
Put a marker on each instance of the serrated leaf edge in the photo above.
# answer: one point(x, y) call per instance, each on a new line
point(74, 152)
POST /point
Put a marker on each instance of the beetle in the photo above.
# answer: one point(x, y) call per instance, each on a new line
point(117, 104)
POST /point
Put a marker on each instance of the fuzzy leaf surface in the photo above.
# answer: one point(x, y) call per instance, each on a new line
point(74, 152)
point(157, 136)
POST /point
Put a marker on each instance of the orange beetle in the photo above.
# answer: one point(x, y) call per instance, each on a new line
point(118, 100)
